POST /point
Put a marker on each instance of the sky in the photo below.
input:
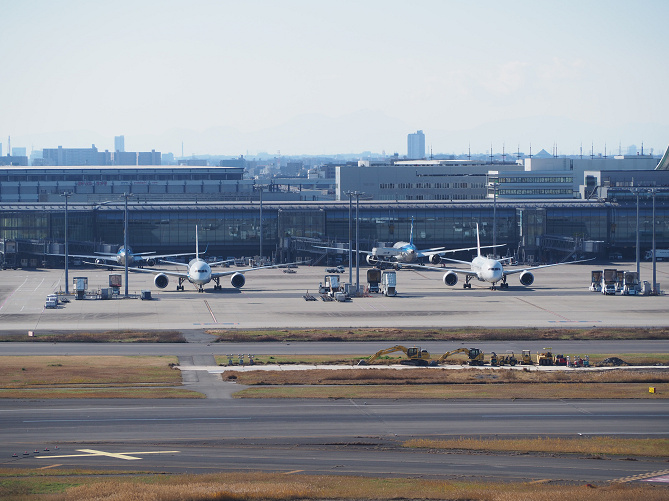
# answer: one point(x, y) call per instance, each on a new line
point(310, 77)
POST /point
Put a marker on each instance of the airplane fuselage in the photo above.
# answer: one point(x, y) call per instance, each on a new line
point(199, 272)
point(401, 252)
point(487, 270)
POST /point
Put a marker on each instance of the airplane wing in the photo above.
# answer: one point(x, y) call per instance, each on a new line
point(521, 270)
point(443, 250)
point(104, 256)
point(144, 270)
point(437, 268)
point(232, 272)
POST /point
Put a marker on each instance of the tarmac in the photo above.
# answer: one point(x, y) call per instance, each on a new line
point(272, 299)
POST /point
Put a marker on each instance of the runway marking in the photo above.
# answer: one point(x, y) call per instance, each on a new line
point(50, 466)
point(118, 455)
point(291, 472)
point(38, 285)
point(565, 319)
point(206, 303)
point(14, 292)
point(646, 477)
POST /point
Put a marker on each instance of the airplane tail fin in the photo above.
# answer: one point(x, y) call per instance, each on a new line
point(411, 233)
point(197, 247)
point(478, 240)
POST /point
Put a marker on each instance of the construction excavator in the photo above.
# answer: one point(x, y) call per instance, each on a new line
point(475, 355)
point(415, 356)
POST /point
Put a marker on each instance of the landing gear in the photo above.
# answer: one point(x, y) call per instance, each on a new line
point(467, 285)
point(218, 285)
point(180, 287)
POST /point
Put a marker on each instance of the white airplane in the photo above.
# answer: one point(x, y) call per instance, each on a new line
point(490, 270)
point(404, 252)
point(198, 273)
point(138, 259)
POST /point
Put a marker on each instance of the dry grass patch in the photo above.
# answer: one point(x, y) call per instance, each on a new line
point(22, 372)
point(455, 334)
point(422, 376)
point(103, 337)
point(74, 393)
point(274, 486)
point(583, 445)
point(548, 391)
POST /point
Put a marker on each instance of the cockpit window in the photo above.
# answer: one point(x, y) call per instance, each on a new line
point(202, 270)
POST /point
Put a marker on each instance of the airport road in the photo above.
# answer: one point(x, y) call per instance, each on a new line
point(336, 437)
point(271, 299)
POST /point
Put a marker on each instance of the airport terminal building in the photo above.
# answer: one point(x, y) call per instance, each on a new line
point(534, 231)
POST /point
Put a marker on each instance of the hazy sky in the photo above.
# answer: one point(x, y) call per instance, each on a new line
point(317, 77)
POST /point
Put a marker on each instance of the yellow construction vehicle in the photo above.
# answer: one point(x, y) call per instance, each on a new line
point(502, 359)
point(545, 357)
point(526, 358)
point(475, 355)
point(415, 356)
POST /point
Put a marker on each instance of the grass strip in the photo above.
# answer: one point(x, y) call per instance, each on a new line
point(23, 372)
point(646, 447)
point(548, 391)
point(278, 486)
point(453, 334)
point(75, 393)
point(125, 336)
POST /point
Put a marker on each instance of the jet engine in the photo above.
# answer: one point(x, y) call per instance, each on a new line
point(238, 280)
point(99, 261)
point(450, 278)
point(151, 262)
point(526, 278)
point(161, 280)
point(435, 259)
point(371, 260)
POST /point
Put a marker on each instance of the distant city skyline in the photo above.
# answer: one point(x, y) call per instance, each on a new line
point(321, 78)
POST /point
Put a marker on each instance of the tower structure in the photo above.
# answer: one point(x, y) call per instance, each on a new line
point(416, 145)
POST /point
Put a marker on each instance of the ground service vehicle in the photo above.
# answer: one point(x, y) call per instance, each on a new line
point(415, 356)
point(660, 254)
point(631, 283)
point(502, 359)
point(373, 279)
point(609, 278)
point(51, 301)
point(331, 285)
point(389, 283)
point(475, 355)
point(526, 358)
point(596, 281)
point(560, 360)
point(545, 357)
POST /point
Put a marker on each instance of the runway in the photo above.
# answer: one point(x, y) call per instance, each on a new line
point(335, 437)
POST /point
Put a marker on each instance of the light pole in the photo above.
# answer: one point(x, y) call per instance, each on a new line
point(261, 225)
point(350, 241)
point(655, 291)
point(67, 195)
point(125, 240)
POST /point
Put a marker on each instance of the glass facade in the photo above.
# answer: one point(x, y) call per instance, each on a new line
point(234, 229)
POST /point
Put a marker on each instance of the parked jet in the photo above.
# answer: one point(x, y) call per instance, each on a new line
point(138, 259)
point(198, 272)
point(404, 252)
point(490, 270)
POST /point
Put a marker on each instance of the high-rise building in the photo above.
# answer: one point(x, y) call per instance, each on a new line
point(19, 151)
point(119, 143)
point(416, 145)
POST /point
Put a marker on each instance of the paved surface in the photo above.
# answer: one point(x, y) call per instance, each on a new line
point(332, 436)
point(337, 436)
point(271, 299)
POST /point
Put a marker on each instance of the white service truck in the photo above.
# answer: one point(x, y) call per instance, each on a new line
point(389, 283)
point(660, 254)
